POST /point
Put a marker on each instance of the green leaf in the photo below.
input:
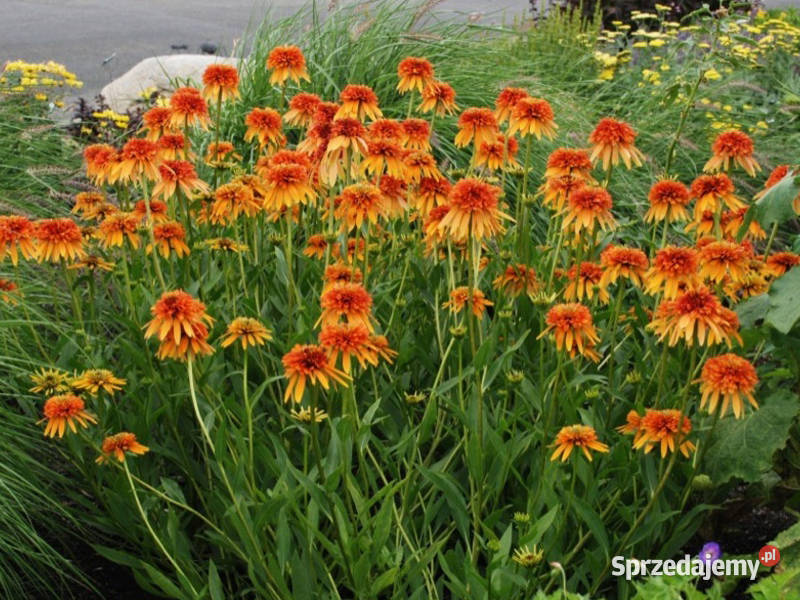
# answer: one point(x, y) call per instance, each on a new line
point(752, 310)
point(743, 448)
point(784, 299)
point(776, 204)
point(788, 541)
point(214, 582)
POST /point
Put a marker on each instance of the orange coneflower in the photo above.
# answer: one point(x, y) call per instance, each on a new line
point(720, 260)
point(613, 140)
point(179, 322)
point(431, 226)
point(386, 129)
point(438, 97)
point(359, 203)
point(348, 340)
point(347, 141)
point(138, 157)
point(178, 174)
point(8, 291)
point(664, 428)
point(301, 109)
point(582, 437)
point(341, 273)
point(431, 192)
point(711, 192)
point(498, 154)
point(285, 157)
point(506, 101)
point(287, 185)
point(16, 237)
point(516, 279)
point(732, 221)
point(87, 203)
point(218, 152)
point(173, 146)
point(459, 298)
point(319, 133)
point(395, 192)
point(731, 378)
point(220, 82)
point(414, 74)
point(752, 284)
point(532, 116)
point(115, 446)
point(668, 201)
point(316, 246)
point(358, 102)
point(474, 212)
point(777, 174)
point(617, 261)
point(116, 228)
point(695, 312)
point(248, 331)
point(100, 160)
point(478, 124)
point(573, 329)
point(264, 124)
point(556, 190)
point(569, 161)
point(58, 239)
point(585, 282)
point(188, 109)
point(188, 346)
point(94, 380)
point(778, 263)
point(416, 134)
point(349, 300)
point(232, 200)
point(380, 345)
point(674, 269)
point(286, 62)
point(588, 207)
point(62, 411)
point(419, 164)
point(309, 363)
point(733, 146)
point(156, 122)
point(383, 156)
point(169, 237)
point(158, 211)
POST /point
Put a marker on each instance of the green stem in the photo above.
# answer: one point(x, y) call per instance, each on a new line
point(206, 435)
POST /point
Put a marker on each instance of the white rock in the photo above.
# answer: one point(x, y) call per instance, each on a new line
point(158, 72)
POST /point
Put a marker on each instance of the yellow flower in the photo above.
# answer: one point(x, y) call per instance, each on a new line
point(93, 380)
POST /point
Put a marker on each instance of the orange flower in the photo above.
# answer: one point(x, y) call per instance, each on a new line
point(232, 200)
point(348, 300)
point(58, 239)
point(220, 82)
point(556, 190)
point(668, 201)
point(139, 157)
point(711, 191)
point(301, 109)
point(358, 102)
point(8, 291)
point(414, 74)
point(158, 211)
point(86, 203)
point(582, 437)
point(383, 156)
point(532, 116)
point(695, 312)
point(347, 141)
point(388, 129)
point(359, 203)
point(438, 97)
point(217, 152)
point(733, 146)
point(586, 283)
point(663, 427)
point(380, 345)
point(431, 227)
point(179, 322)
point(178, 174)
point(613, 140)
point(115, 228)
point(100, 160)
point(419, 164)
point(115, 446)
point(62, 411)
point(287, 186)
point(348, 341)
point(674, 269)
point(778, 173)
point(474, 211)
point(394, 192)
point(569, 161)
point(431, 191)
point(248, 331)
point(188, 109)
point(719, 260)
point(478, 124)
point(633, 424)
point(780, 262)
point(286, 62)
point(264, 124)
point(173, 146)
point(629, 263)
point(341, 273)
point(169, 237)
point(17, 234)
point(732, 221)
point(573, 329)
point(309, 363)
point(316, 246)
point(731, 378)
point(459, 298)
point(588, 207)
point(498, 154)
point(156, 122)
point(516, 279)
point(506, 101)
point(416, 134)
